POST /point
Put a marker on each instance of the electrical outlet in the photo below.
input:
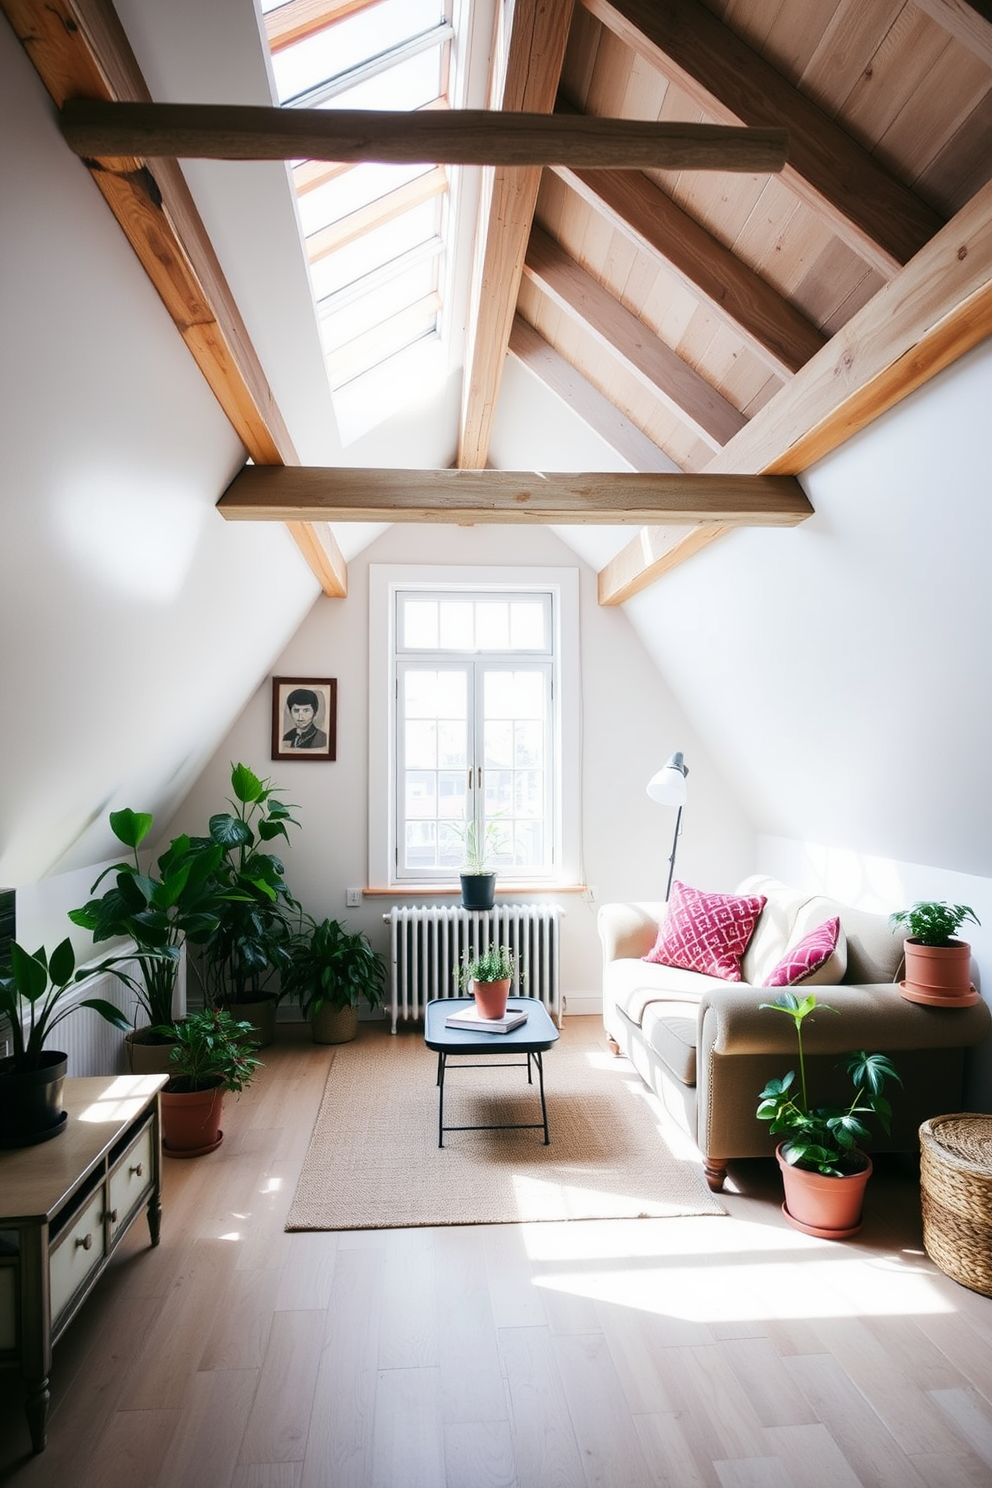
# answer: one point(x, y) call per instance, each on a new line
point(353, 898)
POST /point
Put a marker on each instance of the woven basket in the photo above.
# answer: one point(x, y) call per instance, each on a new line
point(956, 1192)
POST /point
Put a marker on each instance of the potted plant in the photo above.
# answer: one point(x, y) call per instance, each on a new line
point(212, 1054)
point(938, 966)
point(330, 973)
point(158, 913)
point(488, 976)
point(478, 877)
point(257, 915)
point(824, 1170)
point(34, 998)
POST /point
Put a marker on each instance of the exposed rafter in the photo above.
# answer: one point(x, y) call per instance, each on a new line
point(862, 202)
point(271, 494)
point(79, 49)
point(462, 137)
point(935, 309)
point(527, 71)
point(621, 334)
point(778, 333)
point(970, 24)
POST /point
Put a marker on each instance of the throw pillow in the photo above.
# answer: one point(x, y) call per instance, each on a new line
point(802, 960)
point(706, 932)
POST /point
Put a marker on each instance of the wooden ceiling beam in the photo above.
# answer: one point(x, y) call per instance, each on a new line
point(586, 401)
point(690, 397)
point(207, 131)
point(79, 49)
point(654, 552)
point(331, 494)
point(935, 309)
point(778, 333)
point(862, 202)
point(529, 52)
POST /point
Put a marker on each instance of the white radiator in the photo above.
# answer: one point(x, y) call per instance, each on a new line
point(428, 944)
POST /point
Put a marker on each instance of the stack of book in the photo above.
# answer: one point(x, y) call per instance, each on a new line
point(469, 1018)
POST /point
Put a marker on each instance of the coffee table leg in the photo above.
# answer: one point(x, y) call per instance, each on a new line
point(440, 1099)
point(544, 1106)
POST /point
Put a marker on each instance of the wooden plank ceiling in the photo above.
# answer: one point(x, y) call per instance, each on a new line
point(737, 324)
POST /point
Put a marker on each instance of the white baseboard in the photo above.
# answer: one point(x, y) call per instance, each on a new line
point(583, 1004)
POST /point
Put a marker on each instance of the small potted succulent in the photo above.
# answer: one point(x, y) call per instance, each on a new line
point(824, 1170)
point(34, 998)
point(330, 973)
point(488, 976)
point(213, 1053)
point(938, 965)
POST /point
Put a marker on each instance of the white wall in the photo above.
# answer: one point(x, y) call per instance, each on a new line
point(630, 725)
point(135, 621)
point(881, 885)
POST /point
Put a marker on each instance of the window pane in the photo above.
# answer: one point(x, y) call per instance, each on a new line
point(419, 631)
point(354, 189)
point(497, 744)
point(518, 694)
point(368, 310)
point(452, 795)
point(350, 42)
point(452, 744)
point(527, 626)
point(421, 798)
point(452, 694)
point(528, 745)
point(420, 689)
point(492, 625)
point(407, 86)
point(529, 793)
point(456, 625)
point(421, 744)
point(421, 845)
point(377, 247)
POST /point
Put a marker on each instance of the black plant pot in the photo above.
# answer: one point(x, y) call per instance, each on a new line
point(478, 890)
point(31, 1101)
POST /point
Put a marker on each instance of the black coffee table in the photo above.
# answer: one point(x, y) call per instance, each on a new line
point(532, 1039)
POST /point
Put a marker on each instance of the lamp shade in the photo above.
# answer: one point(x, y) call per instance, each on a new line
point(667, 786)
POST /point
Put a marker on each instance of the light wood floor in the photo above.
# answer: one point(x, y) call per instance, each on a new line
point(724, 1351)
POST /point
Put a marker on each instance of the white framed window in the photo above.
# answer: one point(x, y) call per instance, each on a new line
point(473, 692)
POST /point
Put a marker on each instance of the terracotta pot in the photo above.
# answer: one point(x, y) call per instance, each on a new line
point(145, 1057)
point(478, 890)
point(938, 975)
point(490, 997)
point(331, 1025)
point(829, 1208)
point(31, 1100)
point(191, 1121)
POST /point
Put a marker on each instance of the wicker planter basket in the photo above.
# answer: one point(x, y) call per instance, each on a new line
point(956, 1192)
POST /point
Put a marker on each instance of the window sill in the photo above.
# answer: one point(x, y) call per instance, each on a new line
point(451, 891)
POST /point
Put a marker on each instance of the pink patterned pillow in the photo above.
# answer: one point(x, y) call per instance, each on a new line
point(808, 956)
point(706, 932)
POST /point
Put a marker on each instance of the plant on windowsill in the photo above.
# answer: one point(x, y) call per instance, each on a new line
point(823, 1168)
point(35, 990)
point(478, 876)
point(213, 1054)
point(330, 973)
point(938, 965)
point(488, 976)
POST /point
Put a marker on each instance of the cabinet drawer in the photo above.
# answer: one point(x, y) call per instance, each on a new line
point(8, 1307)
point(130, 1180)
point(78, 1251)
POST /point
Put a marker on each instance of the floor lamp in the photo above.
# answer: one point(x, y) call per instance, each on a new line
point(668, 788)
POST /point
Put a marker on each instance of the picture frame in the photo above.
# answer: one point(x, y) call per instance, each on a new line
point(304, 718)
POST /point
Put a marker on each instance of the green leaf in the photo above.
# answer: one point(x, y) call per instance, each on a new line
point(130, 827)
point(62, 963)
point(107, 1010)
point(230, 831)
point(30, 972)
point(246, 785)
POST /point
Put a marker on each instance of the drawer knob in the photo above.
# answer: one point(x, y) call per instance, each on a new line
point(112, 1216)
point(86, 1241)
point(138, 1170)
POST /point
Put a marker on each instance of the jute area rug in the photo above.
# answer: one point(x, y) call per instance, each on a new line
point(374, 1162)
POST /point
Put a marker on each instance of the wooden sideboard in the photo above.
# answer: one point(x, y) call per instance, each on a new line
point(65, 1204)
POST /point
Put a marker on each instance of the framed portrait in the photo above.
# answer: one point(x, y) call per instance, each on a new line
point(304, 718)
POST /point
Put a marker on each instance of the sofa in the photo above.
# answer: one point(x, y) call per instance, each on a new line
point(706, 1047)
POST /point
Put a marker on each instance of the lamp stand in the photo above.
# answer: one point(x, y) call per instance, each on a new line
point(671, 860)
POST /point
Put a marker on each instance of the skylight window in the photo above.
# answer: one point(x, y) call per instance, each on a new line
point(373, 234)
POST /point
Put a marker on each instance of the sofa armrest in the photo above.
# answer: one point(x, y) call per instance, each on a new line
point(872, 1017)
point(628, 931)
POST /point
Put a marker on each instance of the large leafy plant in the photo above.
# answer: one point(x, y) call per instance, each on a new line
point(35, 992)
point(330, 966)
point(824, 1139)
point(257, 918)
point(157, 911)
point(934, 922)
